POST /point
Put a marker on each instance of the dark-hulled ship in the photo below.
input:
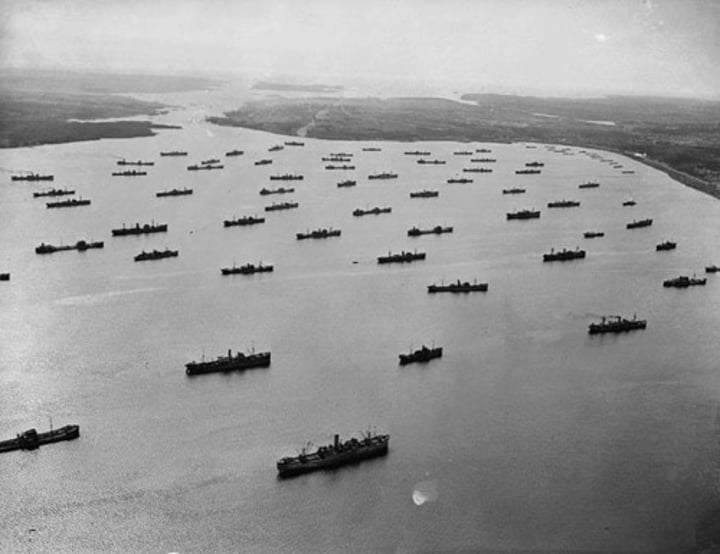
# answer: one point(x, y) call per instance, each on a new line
point(483, 151)
point(31, 439)
point(247, 269)
point(629, 203)
point(617, 324)
point(334, 455)
point(206, 167)
point(294, 143)
point(80, 246)
point(234, 153)
point(319, 234)
point(534, 164)
point(263, 162)
point(4, 276)
point(338, 159)
point(346, 184)
point(372, 211)
point(211, 161)
point(458, 287)
point(138, 162)
point(138, 229)
point(156, 255)
point(340, 167)
point(667, 245)
point(463, 153)
point(563, 204)
point(281, 206)
point(245, 220)
point(431, 162)
point(423, 354)
point(483, 160)
point(425, 194)
point(276, 148)
point(527, 172)
point(514, 190)
point(639, 223)
point(53, 192)
point(589, 185)
point(564, 255)
point(174, 153)
point(70, 203)
point(402, 257)
point(712, 269)
point(460, 180)
point(286, 177)
point(372, 149)
point(280, 190)
point(593, 234)
point(32, 177)
point(684, 281)
point(229, 363)
point(437, 230)
point(129, 173)
point(416, 153)
point(383, 175)
point(524, 214)
point(477, 170)
point(174, 192)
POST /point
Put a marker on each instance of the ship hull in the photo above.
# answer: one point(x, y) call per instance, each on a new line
point(315, 463)
point(66, 433)
point(259, 360)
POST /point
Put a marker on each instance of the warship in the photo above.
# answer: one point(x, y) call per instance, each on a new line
point(424, 354)
point(156, 255)
point(334, 455)
point(616, 324)
point(31, 439)
point(458, 287)
point(229, 363)
point(563, 255)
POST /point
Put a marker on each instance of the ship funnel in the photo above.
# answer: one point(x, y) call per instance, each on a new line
point(336, 441)
point(229, 353)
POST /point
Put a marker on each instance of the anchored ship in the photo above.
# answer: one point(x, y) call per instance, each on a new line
point(667, 245)
point(4, 276)
point(431, 162)
point(563, 255)
point(589, 185)
point(286, 177)
point(156, 255)
point(282, 206)
point(275, 148)
point(563, 204)
point(524, 214)
point(348, 183)
point(138, 229)
point(593, 234)
point(334, 455)
point(140, 163)
point(342, 167)
point(616, 324)
point(80, 246)
point(174, 153)
point(32, 177)
point(514, 190)
point(229, 363)
point(527, 171)
point(245, 220)
point(31, 439)
point(639, 223)
point(319, 234)
point(372, 211)
point(483, 151)
point(437, 230)
point(70, 203)
point(425, 194)
point(294, 143)
point(684, 281)
point(416, 153)
point(629, 203)
point(372, 149)
point(263, 162)
point(424, 354)
point(53, 192)
point(402, 257)
point(383, 175)
point(483, 160)
point(279, 190)
point(129, 173)
point(208, 167)
point(174, 192)
point(534, 164)
point(247, 269)
point(712, 269)
point(463, 153)
point(458, 287)
point(477, 170)
point(234, 153)
point(461, 180)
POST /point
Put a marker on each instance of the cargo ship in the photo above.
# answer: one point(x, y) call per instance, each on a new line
point(4, 276)
point(458, 287)
point(639, 223)
point(207, 167)
point(139, 163)
point(417, 153)
point(229, 363)
point(263, 162)
point(337, 159)
point(138, 229)
point(431, 162)
point(129, 173)
point(402, 257)
point(524, 214)
point(340, 167)
point(247, 269)
point(345, 184)
point(174, 192)
point(245, 220)
point(461, 180)
point(477, 170)
point(616, 324)
point(80, 246)
point(174, 153)
point(372, 149)
point(589, 185)
point(563, 204)
point(424, 354)
point(563, 255)
point(334, 455)
point(286, 177)
point(294, 143)
point(514, 190)
point(437, 230)
point(70, 203)
point(527, 171)
point(463, 153)
point(53, 192)
point(425, 194)
point(383, 175)
point(319, 234)
point(276, 148)
point(32, 177)
point(667, 245)
point(280, 190)
point(712, 269)
point(372, 211)
point(534, 164)
point(211, 161)
point(156, 255)
point(483, 151)
point(234, 153)
point(593, 234)
point(483, 160)
point(629, 203)
point(684, 281)
point(31, 439)
point(282, 206)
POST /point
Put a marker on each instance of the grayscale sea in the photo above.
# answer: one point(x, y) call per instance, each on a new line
point(527, 435)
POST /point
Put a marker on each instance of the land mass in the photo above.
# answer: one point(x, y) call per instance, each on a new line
point(678, 136)
point(265, 85)
point(43, 107)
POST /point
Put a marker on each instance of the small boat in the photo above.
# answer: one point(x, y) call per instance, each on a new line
point(424, 354)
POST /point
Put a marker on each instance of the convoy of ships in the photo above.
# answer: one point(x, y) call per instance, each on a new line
point(371, 445)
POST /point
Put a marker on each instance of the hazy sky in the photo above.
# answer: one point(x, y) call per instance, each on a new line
point(660, 46)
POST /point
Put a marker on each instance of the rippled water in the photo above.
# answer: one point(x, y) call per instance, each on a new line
point(528, 434)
